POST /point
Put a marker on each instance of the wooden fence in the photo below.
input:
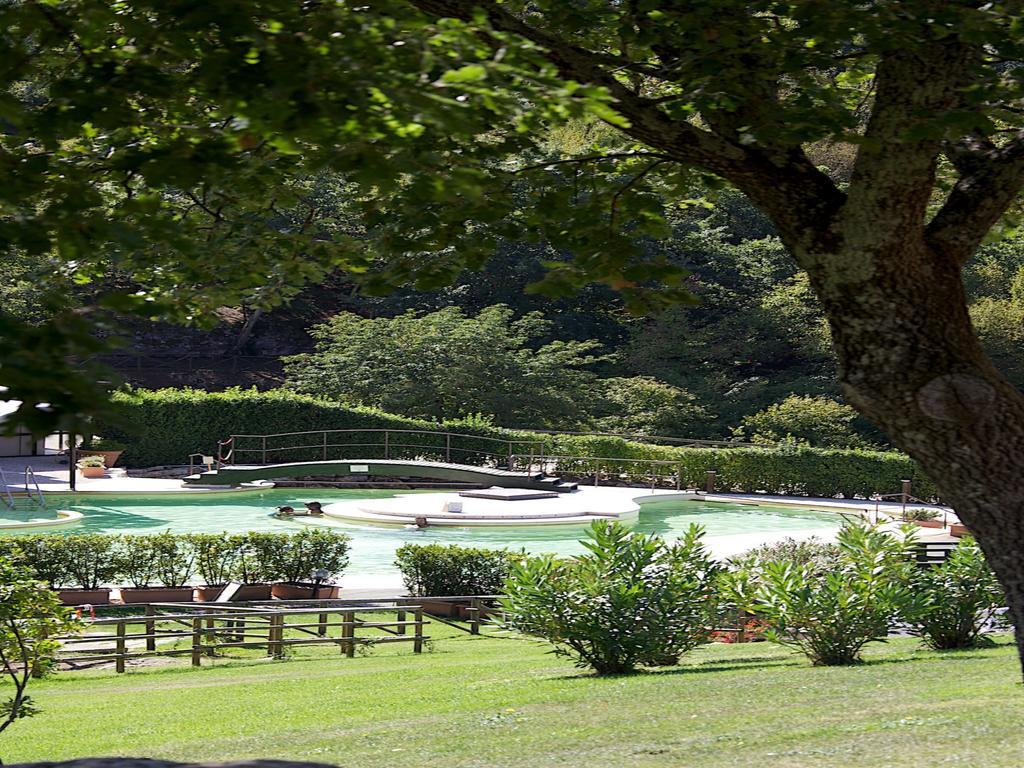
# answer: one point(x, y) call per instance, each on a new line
point(183, 629)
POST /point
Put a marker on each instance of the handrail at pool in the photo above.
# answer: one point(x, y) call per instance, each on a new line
point(393, 440)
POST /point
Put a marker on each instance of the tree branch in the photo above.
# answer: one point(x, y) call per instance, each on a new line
point(991, 179)
point(893, 177)
point(780, 179)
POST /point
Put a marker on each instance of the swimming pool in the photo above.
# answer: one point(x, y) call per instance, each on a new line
point(373, 547)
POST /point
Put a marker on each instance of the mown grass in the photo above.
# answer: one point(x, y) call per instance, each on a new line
point(488, 701)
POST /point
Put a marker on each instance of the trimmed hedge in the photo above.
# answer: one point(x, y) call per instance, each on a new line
point(435, 570)
point(165, 426)
point(168, 559)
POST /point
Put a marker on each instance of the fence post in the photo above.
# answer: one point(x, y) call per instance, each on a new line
point(120, 649)
point(387, 445)
point(709, 481)
point(474, 616)
point(150, 629)
point(275, 633)
point(348, 633)
point(597, 473)
point(325, 445)
point(197, 641)
point(401, 627)
point(211, 636)
point(264, 449)
point(448, 447)
point(679, 477)
point(417, 643)
point(322, 629)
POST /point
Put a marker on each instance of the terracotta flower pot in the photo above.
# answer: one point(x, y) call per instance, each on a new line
point(84, 596)
point(109, 457)
point(209, 593)
point(929, 524)
point(156, 595)
point(958, 529)
point(299, 590)
point(92, 471)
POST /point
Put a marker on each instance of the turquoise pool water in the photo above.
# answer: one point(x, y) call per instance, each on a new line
point(373, 547)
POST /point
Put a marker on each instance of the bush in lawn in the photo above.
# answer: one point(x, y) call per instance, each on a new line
point(830, 617)
point(958, 598)
point(297, 556)
point(632, 600)
point(437, 570)
point(821, 556)
point(30, 617)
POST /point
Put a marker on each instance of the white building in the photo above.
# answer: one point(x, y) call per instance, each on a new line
point(21, 443)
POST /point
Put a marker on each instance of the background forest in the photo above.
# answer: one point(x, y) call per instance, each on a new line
point(751, 361)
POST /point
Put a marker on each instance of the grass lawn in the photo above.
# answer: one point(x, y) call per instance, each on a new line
point(498, 702)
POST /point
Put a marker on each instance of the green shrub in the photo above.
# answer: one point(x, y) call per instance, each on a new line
point(632, 600)
point(958, 598)
point(30, 617)
point(820, 556)
point(103, 444)
point(149, 559)
point(818, 421)
point(42, 554)
point(298, 556)
point(830, 617)
point(88, 559)
point(922, 513)
point(216, 556)
point(165, 426)
point(253, 553)
point(436, 569)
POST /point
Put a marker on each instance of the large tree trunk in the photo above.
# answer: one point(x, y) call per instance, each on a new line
point(911, 362)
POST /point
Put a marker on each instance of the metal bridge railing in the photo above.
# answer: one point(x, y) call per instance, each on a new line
point(327, 444)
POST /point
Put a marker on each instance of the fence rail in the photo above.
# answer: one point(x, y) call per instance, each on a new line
point(185, 629)
point(380, 444)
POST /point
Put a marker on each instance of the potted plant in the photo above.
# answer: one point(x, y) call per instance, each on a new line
point(924, 517)
point(110, 450)
point(91, 466)
point(251, 553)
point(157, 566)
point(88, 563)
point(215, 556)
point(306, 563)
point(41, 554)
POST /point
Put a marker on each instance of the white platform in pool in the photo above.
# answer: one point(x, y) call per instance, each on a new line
point(508, 494)
point(578, 508)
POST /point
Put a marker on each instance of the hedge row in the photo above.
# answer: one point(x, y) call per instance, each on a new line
point(92, 560)
point(165, 426)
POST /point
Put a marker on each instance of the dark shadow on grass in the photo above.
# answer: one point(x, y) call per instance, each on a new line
point(753, 662)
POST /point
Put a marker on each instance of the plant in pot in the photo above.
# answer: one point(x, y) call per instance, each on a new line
point(251, 554)
point(924, 517)
point(109, 450)
point(91, 466)
point(215, 560)
point(89, 563)
point(157, 566)
point(40, 553)
point(306, 564)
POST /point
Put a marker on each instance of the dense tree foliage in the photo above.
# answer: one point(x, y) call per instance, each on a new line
point(446, 365)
